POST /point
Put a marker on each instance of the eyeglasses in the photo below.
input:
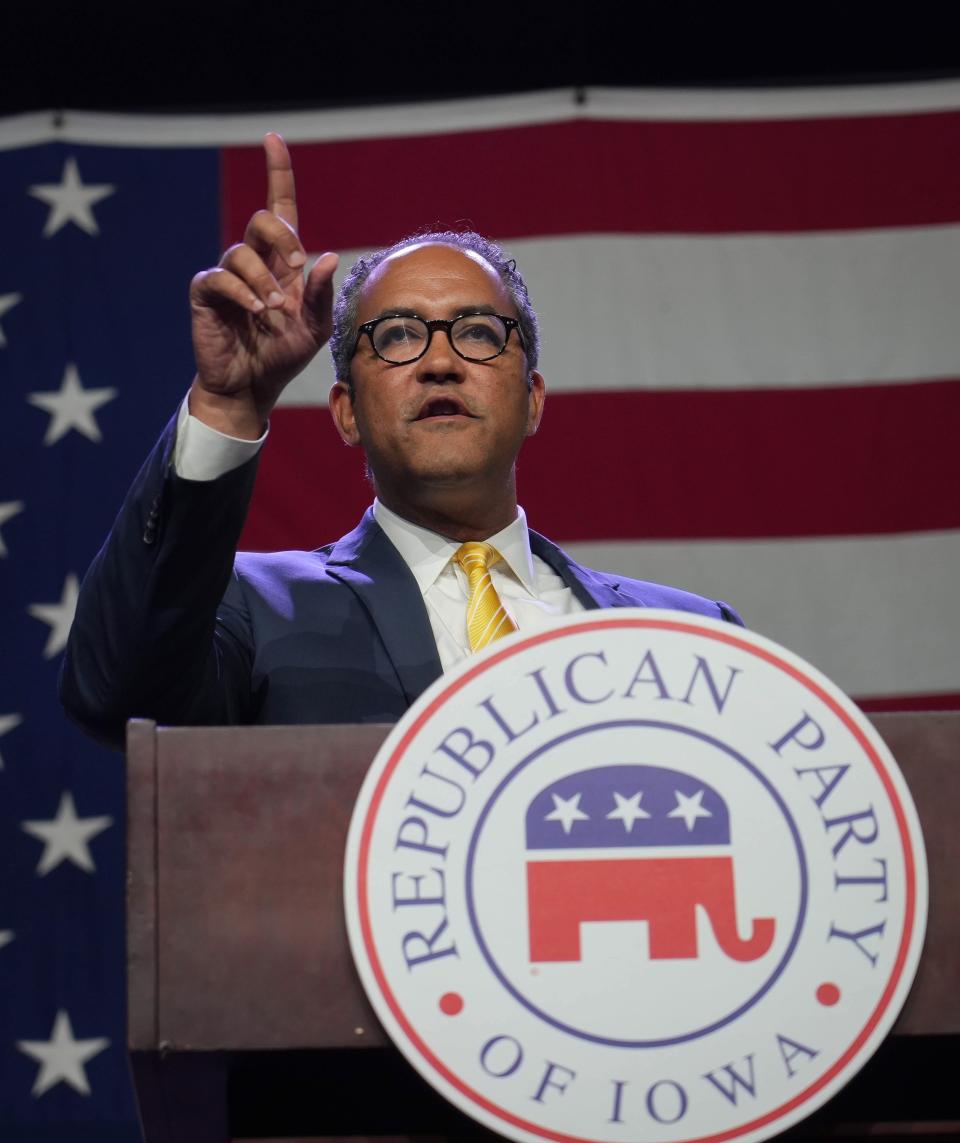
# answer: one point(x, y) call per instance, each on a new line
point(475, 337)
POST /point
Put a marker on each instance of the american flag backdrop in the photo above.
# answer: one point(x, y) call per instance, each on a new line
point(752, 349)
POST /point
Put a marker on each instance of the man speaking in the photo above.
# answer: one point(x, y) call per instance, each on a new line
point(435, 350)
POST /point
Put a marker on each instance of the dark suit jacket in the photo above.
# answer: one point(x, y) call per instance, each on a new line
point(171, 626)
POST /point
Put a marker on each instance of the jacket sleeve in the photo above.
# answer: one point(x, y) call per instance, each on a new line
point(147, 640)
point(730, 614)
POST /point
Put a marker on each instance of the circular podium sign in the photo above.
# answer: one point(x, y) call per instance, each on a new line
point(641, 876)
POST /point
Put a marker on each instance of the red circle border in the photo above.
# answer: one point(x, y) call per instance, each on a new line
point(664, 625)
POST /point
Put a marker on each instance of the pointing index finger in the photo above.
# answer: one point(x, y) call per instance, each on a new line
point(281, 194)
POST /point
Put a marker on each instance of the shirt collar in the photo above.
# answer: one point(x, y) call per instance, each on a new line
point(427, 553)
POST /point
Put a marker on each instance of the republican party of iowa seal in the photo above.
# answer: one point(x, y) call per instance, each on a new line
point(643, 876)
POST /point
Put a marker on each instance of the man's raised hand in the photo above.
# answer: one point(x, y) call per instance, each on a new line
point(257, 321)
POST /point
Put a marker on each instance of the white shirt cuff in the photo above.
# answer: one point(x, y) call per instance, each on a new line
point(202, 453)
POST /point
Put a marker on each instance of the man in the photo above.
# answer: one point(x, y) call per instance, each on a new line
point(435, 345)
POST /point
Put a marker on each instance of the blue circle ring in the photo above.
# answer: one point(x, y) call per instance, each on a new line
point(579, 1032)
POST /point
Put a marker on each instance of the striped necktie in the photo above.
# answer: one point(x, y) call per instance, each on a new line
point(487, 618)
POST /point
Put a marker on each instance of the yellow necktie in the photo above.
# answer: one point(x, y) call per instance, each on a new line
point(487, 618)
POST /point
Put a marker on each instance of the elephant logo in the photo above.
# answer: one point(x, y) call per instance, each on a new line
point(654, 821)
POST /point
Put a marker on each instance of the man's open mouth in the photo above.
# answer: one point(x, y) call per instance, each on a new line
point(443, 407)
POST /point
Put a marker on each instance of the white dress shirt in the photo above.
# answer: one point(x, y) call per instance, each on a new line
point(202, 453)
point(531, 591)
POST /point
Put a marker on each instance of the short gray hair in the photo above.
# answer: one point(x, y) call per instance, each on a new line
point(345, 310)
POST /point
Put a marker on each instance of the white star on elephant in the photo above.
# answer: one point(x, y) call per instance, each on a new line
point(689, 808)
point(627, 810)
point(566, 811)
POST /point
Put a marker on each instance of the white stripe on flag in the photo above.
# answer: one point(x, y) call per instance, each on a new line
point(875, 614)
point(742, 312)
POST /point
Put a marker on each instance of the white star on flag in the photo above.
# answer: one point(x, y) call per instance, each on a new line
point(71, 407)
point(8, 509)
point(8, 722)
point(566, 811)
point(7, 302)
point(62, 1058)
point(66, 837)
point(6, 936)
point(58, 615)
point(689, 808)
point(71, 201)
point(628, 810)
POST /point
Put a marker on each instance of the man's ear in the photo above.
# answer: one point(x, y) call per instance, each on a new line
point(341, 409)
point(537, 396)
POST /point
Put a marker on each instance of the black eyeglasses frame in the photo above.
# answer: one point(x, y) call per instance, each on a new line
point(446, 324)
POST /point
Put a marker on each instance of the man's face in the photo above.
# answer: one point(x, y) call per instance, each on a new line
point(440, 421)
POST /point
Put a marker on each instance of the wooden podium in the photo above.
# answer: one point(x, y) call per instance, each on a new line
point(246, 1019)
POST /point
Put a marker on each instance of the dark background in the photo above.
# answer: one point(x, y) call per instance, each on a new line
point(275, 53)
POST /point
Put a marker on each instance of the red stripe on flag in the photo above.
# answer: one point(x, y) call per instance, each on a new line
point(671, 465)
point(595, 176)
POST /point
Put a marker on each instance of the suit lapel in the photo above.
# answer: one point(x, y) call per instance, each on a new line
point(373, 569)
point(591, 588)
